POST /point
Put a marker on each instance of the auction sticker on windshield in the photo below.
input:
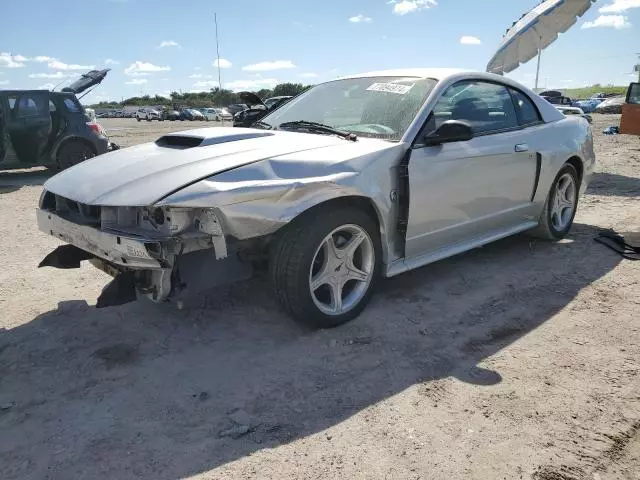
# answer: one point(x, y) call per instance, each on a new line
point(390, 88)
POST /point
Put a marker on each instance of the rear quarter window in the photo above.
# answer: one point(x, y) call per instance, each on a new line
point(72, 106)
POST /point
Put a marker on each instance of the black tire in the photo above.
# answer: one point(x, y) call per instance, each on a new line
point(138, 118)
point(291, 259)
point(546, 229)
point(73, 152)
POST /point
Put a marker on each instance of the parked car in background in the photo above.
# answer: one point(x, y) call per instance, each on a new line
point(236, 107)
point(171, 115)
point(611, 105)
point(559, 100)
point(355, 179)
point(257, 108)
point(589, 105)
point(566, 110)
point(148, 114)
point(191, 114)
point(45, 128)
point(217, 114)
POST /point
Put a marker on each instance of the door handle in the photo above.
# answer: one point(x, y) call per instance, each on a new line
point(522, 147)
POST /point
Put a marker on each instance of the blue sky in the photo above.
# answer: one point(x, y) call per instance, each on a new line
point(156, 46)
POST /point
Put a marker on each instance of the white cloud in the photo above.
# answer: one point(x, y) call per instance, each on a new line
point(469, 40)
point(46, 86)
point(308, 75)
point(197, 68)
point(257, 84)
point(360, 19)
point(222, 63)
point(608, 21)
point(4, 82)
point(11, 61)
point(50, 75)
point(269, 66)
point(409, 6)
point(139, 68)
point(136, 81)
point(620, 6)
point(56, 64)
point(168, 43)
point(111, 61)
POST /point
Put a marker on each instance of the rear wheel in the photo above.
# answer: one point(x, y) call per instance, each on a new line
point(561, 205)
point(74, 152)
point(324, 268)
point(138, 118)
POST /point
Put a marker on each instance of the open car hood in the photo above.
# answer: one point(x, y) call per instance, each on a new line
point(86, 81)
point(250, 99)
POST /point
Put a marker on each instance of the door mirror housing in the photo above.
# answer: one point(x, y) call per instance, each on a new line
point(450, 131)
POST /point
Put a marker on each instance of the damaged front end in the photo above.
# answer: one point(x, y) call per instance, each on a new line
point(160, 252)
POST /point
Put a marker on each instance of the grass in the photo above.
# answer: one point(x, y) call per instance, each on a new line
point(587, 92)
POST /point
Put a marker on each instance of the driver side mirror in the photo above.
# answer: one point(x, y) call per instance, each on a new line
point(450, 131)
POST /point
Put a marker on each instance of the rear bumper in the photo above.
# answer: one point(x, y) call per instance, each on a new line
point(101, 144)
point(125, 251)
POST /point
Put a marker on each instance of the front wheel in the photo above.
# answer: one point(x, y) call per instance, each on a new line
point(561, 205)
point(324, 267)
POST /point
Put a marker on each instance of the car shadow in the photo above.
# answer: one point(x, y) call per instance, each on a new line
point(152, 392)
point(612, 184)
point(12, 180)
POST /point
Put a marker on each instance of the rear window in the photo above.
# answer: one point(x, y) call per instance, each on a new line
point(72, 106)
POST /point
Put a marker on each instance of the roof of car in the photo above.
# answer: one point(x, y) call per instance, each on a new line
point(437, 73)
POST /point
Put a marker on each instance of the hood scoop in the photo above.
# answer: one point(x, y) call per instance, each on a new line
point(182, 142)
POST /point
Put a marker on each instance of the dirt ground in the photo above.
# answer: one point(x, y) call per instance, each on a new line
point(520, 360)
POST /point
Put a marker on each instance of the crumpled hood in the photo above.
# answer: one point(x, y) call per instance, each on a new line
point(144, 174)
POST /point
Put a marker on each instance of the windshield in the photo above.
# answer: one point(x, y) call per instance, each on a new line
point(377, 107)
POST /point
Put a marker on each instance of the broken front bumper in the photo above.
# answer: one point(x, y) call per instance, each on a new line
point(126, 251)
point(158, 269)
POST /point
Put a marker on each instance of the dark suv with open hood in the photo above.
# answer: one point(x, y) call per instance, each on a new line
point(257, 108)
point(43, 128)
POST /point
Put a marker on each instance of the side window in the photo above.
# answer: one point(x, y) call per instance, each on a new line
point(633, 94)
point(528, 112)
point(52, 106)
point(29, 106)
point(71, 105)
point(487, 107)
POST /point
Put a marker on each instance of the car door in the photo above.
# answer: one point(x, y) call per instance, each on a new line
point(30, 126)
point(463, 191)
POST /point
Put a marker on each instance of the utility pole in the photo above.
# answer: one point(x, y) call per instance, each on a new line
point(636, 67)
point(215, 19)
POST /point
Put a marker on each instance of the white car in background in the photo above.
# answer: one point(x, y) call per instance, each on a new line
point(148, 114)
point(217, 114)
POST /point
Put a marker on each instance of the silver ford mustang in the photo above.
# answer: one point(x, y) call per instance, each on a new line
point(357, 178)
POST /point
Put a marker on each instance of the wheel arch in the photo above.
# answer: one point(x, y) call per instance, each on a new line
point(69, 139)
point(578, 164)
point(361, 202)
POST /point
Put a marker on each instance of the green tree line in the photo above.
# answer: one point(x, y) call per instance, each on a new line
point(216, 97)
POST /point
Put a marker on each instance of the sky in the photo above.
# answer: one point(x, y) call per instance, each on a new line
point(159, 46)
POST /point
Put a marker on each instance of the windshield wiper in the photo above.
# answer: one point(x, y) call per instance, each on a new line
point(318, 127)
point(261, 124)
